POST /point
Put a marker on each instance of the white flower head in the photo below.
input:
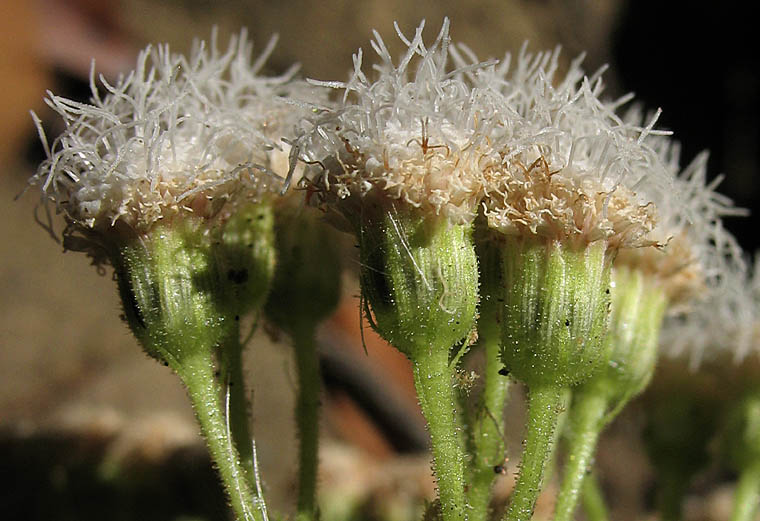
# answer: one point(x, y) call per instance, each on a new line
point(574, 168)
point(723, 325)
point(411, 133)
point(696, 249)
point(177, 134)
point(571, 168)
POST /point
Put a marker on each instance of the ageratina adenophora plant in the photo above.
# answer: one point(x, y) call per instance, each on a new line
point(499, 206)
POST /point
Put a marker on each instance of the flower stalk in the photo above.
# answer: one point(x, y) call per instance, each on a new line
point(487, 425)
point(419, 278)
point(169, 281)
point(307, 419)
point(306, 290)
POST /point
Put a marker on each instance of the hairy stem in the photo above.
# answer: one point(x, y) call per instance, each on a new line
point(432, 379)
point(545, 403)
point(232, 369)
point(488, 436)
point(197, 374)
point(586, 422)
point(307, 419)
point(593, 500)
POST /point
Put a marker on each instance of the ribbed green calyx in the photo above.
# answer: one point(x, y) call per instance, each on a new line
point(170, 281)
point(419, 277)
point(556, 310)
point(184, 283)
point(638, 306)
point(306, 286)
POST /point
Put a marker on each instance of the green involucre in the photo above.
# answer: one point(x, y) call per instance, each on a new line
point(419, 277)
point(306, 286)
point(556, 311)
point(638, 307)
point(184, 283)
point(170, 281)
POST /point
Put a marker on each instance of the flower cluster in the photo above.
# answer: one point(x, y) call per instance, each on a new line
point(545, 155)
point(588, 233)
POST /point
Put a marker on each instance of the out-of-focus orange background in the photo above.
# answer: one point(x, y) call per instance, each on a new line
point(69, 367)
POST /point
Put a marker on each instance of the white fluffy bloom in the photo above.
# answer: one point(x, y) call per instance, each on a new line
point(442, 130)
point(571, 168)
point(724, 325)
point(413, 133)
point(177, 134)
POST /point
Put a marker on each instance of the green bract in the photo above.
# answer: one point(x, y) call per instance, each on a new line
point(169, 282)
point(556, 310)
point(638, 306)
point(419, 277)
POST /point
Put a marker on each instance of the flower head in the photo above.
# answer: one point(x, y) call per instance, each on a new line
point(178, 134)
point(722, 325)
point(410, 134)
point(696, 248)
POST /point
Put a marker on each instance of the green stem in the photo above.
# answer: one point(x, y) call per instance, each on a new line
point(671, 491)
point(232, 368)
point(545, 403)
point(747, 495)
point(488, 436)
point(432, 379)
point(593, 500)
point(307, 418)
point(551, 465)
point(197, 374)
point(586, 422)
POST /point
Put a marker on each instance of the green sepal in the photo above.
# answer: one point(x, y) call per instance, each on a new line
point(556, 310)
point(247, 256)
point(169, 282)
point(419, 276)
point(306, 286)
point(638, 307)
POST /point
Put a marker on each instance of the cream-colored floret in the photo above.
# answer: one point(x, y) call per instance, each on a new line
point(532, 200)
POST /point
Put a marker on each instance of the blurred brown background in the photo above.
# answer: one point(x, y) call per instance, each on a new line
point(68, 366)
